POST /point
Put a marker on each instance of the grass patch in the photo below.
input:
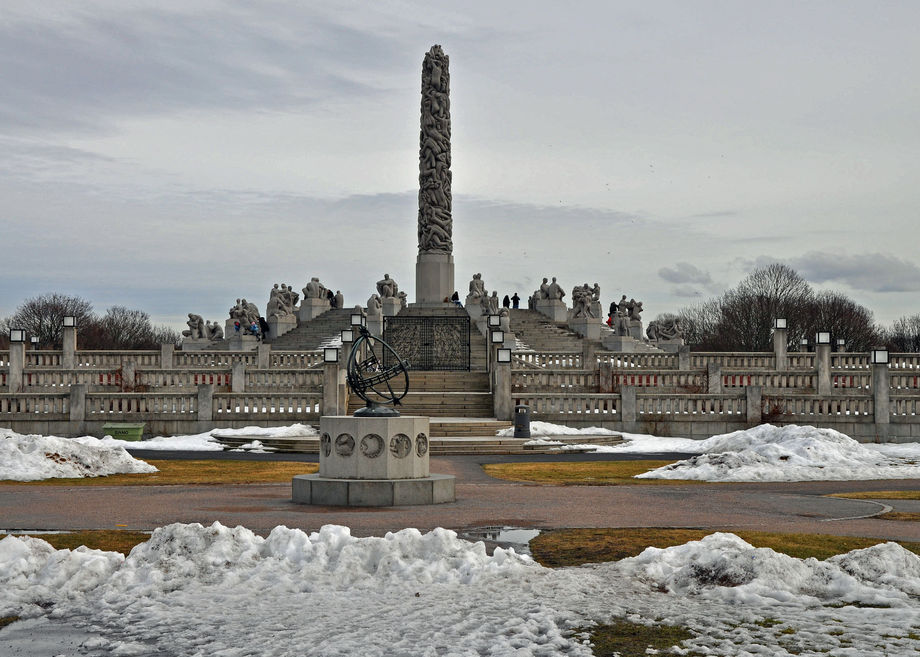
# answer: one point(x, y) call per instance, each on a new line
point(905, 516)
point(634, 639)
point(881, 495)
point(6, 620)
point(110, 540)
point(590, 473)
point(173, 473)
point(574, 547)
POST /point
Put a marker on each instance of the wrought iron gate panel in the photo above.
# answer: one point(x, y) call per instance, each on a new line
point(429, 343)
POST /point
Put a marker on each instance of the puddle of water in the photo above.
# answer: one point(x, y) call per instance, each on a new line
point(504, 537)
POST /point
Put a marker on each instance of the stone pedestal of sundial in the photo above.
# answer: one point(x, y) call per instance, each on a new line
point(373, 461)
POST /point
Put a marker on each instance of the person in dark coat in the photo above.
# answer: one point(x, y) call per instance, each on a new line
point(264, 326)
point(506, 302)
point(330, 297)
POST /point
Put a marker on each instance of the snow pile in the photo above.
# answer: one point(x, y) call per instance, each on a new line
point(207, 442)
point(292, 431)
point(201, 442)
point(328, 593)
point(722, 566)
point(538, 428)
point(789, 453)
point(32, 457)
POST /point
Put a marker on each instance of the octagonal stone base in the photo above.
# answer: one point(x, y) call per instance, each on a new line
point(326, 491)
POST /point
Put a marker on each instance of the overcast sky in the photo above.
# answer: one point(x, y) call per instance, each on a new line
point(173, 156)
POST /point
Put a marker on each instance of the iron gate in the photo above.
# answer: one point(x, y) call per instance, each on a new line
point(429, 343)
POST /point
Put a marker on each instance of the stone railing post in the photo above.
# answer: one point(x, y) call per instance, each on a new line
point(166, 356)
point(264, 356)
point(753, 397)
point(714, 374)
point(823, 366)
point(605, 377)
point(588, 356)
point(881, 386)
point(683, 358)
point(205, 407)
point(628, 407)
point(238, 377)
point(17, 362)
point(779, 349)
point(128, 375)
point(78, 409)
point(330, 388)
point(502, 403)
point(69, 355)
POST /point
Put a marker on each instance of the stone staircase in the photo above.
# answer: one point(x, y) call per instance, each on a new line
point(310, 336)
point(540, 333)
point(444, 395)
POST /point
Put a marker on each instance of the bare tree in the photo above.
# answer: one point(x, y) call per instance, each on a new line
point(843, 318)
point(43, 316)
point(904, 334)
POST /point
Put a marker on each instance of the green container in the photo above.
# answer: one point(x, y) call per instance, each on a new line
point(123, 430)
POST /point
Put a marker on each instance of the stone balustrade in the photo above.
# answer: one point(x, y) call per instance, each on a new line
point(650, 361)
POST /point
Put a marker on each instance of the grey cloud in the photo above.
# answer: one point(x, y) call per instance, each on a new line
point(76, 74)
point(872, 272)
point(684, 272)
point(686, 291)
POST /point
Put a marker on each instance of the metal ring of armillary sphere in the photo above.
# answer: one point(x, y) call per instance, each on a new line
point(371, 380)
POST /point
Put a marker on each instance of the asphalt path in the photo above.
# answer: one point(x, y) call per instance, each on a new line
point(481, 502)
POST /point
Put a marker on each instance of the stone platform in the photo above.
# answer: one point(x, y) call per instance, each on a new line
point(326, 491)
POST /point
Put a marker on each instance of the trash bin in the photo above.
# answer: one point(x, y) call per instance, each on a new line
point(123, 430)
point(522, 421)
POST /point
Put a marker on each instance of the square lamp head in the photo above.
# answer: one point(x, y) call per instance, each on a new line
point(348, 335)
point(357, 319)
point(841, 343)
point(17, 335)
point(495, 320)
point(504, 356)
point(780, 323)
point(823, 337)
point(331, 355)
point(34, 340)
point(69, 321)
point(498, 337)
point(879, 356)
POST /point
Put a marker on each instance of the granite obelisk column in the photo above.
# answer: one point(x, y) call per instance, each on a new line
point(434, 268)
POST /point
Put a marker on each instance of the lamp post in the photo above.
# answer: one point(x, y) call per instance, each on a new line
point(779, 344)
point(69, 345)
point(823, 362)
point(881, 385)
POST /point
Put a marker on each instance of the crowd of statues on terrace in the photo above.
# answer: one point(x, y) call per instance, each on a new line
point(624, 317)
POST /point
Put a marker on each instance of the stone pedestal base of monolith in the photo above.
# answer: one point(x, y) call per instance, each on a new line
point(278, 325)
point(553, 308)
point(373, 461)
point(434, 278)
point(586, 327)
point(312, 308)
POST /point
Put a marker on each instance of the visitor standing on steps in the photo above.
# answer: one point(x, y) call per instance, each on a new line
point(515, 301)
point(506, 302)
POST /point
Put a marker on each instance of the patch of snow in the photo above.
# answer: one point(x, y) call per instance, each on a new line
point(201, 442)
point(538, 428)
point(292, 431)
point(33, 457)
point(254, 446)
point(789, 453)
point(328, 593)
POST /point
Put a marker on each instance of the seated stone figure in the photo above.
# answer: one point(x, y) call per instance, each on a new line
point(196, 327)
point(387, 287)
point(314, 289)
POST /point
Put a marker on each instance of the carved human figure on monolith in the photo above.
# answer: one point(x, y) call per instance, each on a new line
point(435, 225)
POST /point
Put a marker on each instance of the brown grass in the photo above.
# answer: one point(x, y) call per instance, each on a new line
point(904, 516)
point(574, 547)
point(626, 639)
point(881, 495)
point(98, 539)
point(172, 473)
point(591, 473)
point(6, 620)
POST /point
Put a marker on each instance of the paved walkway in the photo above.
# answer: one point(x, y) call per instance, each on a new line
point(481, 501)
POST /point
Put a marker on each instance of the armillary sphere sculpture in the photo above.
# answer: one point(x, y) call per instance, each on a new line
point(371, 380)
